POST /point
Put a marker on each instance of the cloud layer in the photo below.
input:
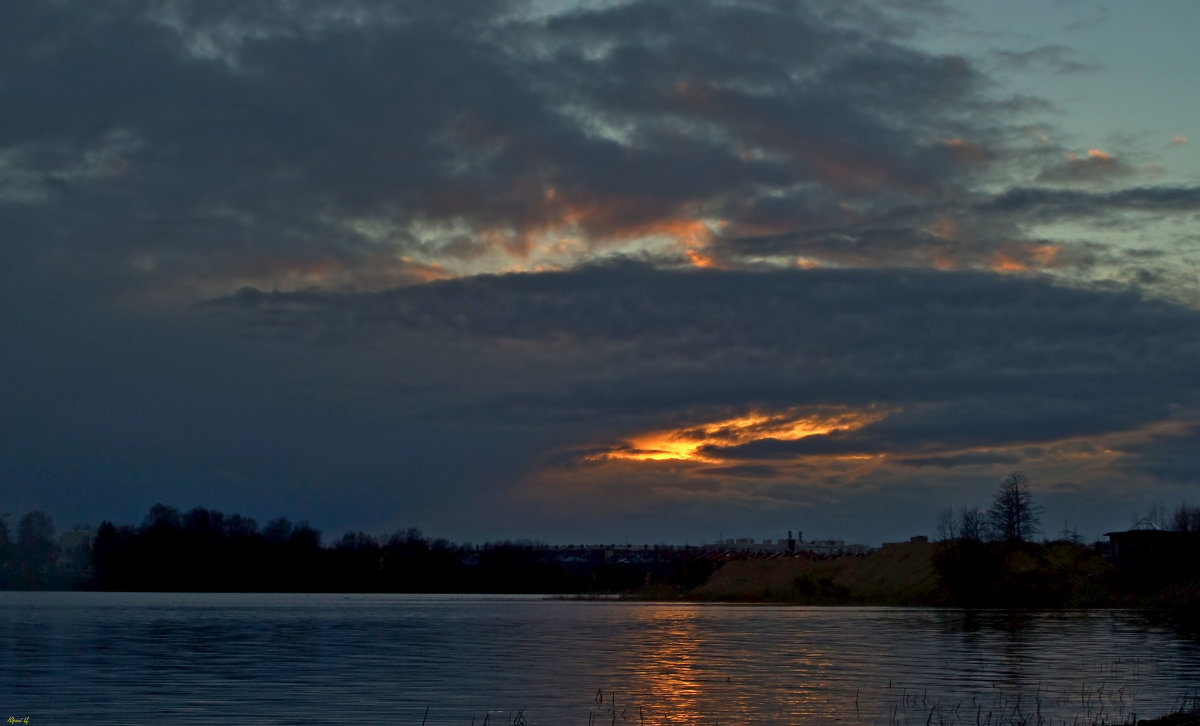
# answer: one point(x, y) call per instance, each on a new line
point(780, 388)
point(188, 149)
point(409, 262)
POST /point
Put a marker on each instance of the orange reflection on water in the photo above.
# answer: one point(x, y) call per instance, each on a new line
point(690, 673)
point(670, 669)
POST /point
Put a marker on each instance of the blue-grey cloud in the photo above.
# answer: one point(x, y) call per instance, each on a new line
point(973, 358)
point(368, 160)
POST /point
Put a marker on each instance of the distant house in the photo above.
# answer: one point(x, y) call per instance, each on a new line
point(1154, 549)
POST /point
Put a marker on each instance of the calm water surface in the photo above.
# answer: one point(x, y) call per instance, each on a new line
point(197, 658)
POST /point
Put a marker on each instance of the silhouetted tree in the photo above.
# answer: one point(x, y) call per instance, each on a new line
point(304, 538)
point(1013, 515)
point(967, 526)
point(6, 557)
point(241, 527)
point(162, 517)
point(356, 541)
point(35, 530)
point(411, 538)
point(970, 524)
point(277, 532)
point(205, 524)
point(947, 531)
point(106, 558)
point(1186, 518)
point(35, 548)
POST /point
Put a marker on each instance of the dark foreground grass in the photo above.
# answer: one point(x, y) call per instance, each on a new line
point(1093, 707)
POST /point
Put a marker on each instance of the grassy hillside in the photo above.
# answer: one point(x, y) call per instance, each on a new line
point(918, 573)
point(901, 574)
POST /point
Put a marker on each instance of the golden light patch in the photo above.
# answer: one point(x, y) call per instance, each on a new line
point(605, 216)
point(689, 232)
point(1094, 156)
point(562, 246)
point(1004, 263)
point(688, 443)
point(1025, 257)
point(699, 259)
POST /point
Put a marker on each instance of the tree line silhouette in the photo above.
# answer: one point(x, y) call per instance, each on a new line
point(30, 557)
point(205, 550)
point(982, 558)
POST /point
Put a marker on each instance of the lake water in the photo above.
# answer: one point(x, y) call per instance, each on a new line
point(301, 659)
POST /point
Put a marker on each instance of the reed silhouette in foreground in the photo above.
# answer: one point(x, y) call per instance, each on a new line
point(1089, 706)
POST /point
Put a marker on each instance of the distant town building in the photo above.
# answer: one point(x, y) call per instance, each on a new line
point(75, 550)
point(767, 547)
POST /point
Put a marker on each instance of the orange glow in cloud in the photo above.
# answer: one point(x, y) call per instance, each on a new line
point(1045, 255)
point(1004, 263)
point(1094, 157)
point(686, 443)
point(692, 233)
point(619, 219)
point(562, 246)
point(1026, 257)
point(516, 244)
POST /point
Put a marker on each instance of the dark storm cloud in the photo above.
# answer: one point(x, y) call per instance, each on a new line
point(970, 359)
point(745, 471)
point(1171, 459)
point(1051, 205)
point(189, 148)
point(243, 141)
point(951, 462)
point(224, 143)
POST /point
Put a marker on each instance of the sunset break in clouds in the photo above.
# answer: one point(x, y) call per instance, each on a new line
point(599, 271)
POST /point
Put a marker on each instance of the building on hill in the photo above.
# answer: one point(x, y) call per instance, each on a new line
point(1142, 547)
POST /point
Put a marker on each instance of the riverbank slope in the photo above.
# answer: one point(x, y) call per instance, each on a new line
point(968, 574)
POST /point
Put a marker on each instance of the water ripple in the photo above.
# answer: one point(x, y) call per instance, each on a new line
point(191, 658)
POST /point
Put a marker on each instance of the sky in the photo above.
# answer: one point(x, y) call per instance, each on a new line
point(624, 271)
